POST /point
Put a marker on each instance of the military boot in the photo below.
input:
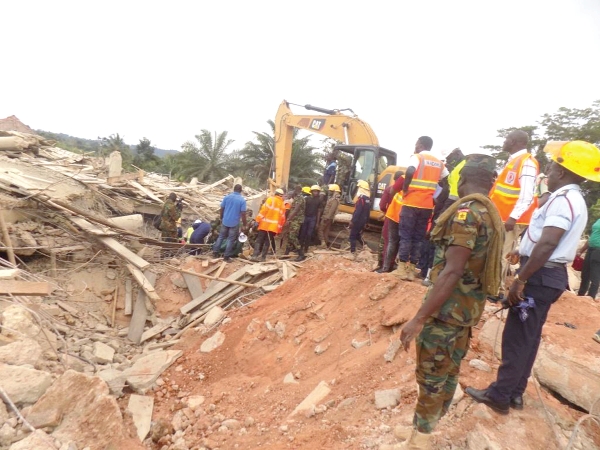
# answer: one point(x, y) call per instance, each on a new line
point(288, 249)
point(417, 441)
point(400, 272)
point(410, 272)
point(301, 256)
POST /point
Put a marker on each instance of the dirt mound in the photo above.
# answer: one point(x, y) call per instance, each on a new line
point(333, 323)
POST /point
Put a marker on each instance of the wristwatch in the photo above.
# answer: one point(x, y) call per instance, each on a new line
point(518, 280)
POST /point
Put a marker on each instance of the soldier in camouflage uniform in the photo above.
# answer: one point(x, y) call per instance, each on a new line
point(329, 213)
point(455, 302)
point(171, 212)
point(295, 220)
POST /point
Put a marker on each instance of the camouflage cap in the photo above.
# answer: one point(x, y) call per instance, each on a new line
point(481, 161)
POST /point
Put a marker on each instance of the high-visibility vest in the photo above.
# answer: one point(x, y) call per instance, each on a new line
point(453, 179)
point(424, 181)
point(507, 187)
point(271, 216)
point(394, 208)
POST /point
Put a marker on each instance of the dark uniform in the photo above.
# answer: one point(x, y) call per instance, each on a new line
point(360, 217)
point(168, 221)
point(444, 340)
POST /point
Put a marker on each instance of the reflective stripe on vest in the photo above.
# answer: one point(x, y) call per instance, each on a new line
point(272, 215)
point(424, 182)
point(507, 188)
point(393, 211)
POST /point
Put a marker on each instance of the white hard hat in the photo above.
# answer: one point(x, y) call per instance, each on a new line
point(197, 221)
point(242, 238)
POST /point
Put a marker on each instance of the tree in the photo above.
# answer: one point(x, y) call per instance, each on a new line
point(115, 143)
point(145, 157)
point(205, 159)
point(257, 159)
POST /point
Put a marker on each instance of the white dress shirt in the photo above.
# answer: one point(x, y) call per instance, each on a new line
point(527, 178)
point(565, 209)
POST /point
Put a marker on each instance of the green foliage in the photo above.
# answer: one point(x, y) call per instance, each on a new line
point(205, 159)
point(144, 156)
point(71, 143)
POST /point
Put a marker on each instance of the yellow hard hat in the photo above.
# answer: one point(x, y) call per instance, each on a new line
point(580, 157)
point(306, 190)
point(363, 184)
point(315, 187)
point(334, 187)
point(178, 220)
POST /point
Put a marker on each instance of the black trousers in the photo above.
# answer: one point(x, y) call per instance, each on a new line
point(590, 274)
point(521, 340)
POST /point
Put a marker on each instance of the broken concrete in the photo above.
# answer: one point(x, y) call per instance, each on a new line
point(388, 398)
point(19, 353)
point(140, 407)
point(38, 440)
point(213, 342)
point(22, 384)
point(89, 415)
point(144, 372)
point(102, 353)
point(214, 316)
point(321, 391)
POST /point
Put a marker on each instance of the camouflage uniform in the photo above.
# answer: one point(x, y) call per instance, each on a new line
point(296, 223)
point(444, 340)
point(327, 217)
point(168, 221)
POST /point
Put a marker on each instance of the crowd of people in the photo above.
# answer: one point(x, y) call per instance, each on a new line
point(461, 223)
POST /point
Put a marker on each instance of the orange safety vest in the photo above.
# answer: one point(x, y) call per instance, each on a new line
point(271, 216)
point(393, 211)
point(424, 182)
point(507, 187)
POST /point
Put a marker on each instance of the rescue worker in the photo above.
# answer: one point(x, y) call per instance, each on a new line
point(360, 217)
point(200, 230)
point(270, 219)
point(233, 208)
point(169, 215)
point(390, 231)
point(468, 238)
point(549, 244)
point(455, 161)
point(295, 221)
point(311, 216)
point(330, 170)
point(329, 213)
point(514, 195)
point(422, 177)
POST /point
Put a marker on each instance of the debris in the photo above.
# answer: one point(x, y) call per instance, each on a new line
point(321, 391)
point(32, 288)
point(140, 408)
point(22, 384)
point(215, 341)
point(102, 353)
point(215, 314)
point(390, 353)
point(144, 372)
point(140, 311)
point(387, 398)
point(480, 365)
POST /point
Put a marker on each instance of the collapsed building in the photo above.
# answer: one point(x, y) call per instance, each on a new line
point(113, 339)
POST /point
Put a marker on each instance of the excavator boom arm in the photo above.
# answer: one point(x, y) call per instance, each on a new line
point(343, 128)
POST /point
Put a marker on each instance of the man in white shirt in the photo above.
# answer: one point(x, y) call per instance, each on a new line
point(514, 193)
point(548, 245)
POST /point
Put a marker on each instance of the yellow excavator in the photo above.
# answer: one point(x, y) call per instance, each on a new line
point(370, 162)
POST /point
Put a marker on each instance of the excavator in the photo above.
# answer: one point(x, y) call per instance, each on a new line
point(370, 162)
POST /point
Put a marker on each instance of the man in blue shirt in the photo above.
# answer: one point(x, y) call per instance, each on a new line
point(233, 207)
point(330, 169)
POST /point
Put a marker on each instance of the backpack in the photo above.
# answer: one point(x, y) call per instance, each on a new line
point(156, 222)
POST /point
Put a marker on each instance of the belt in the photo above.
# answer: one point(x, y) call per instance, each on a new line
point(548, 265)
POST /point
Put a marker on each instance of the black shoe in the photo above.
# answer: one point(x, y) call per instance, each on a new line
point(517, 402)
point(381, 270)
point(227, 259)
point(480, 396)
point(497, 299)
point(215, 254)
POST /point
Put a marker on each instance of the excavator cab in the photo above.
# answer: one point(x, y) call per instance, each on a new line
point(376, 165)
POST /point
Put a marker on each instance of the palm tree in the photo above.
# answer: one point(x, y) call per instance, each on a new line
point(205, 159)
point(257, 158)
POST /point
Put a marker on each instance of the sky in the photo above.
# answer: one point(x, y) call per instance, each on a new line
point(454, 70)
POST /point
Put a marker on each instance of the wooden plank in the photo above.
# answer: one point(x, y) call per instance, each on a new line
point(128, 297)
point(146, 285)
point(67, 308)
point(194, 284)
point(146, 191)
point(285, 271)
point(33, 288)
point(156, 329)
point(213, 290)
point(6, 274)
point(126, 177)
point(140, 313)
point(127, 254)
point(216, 183)
point(218, 274)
